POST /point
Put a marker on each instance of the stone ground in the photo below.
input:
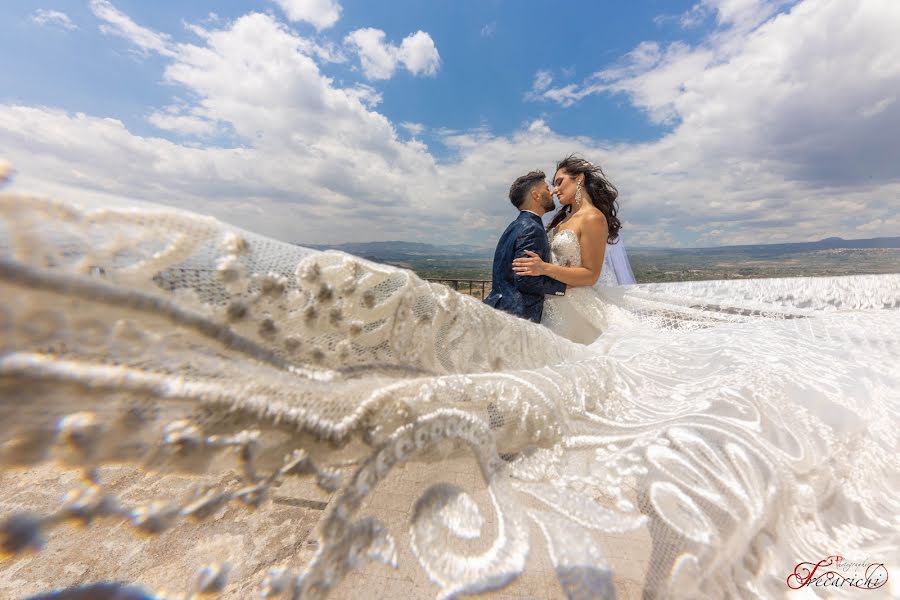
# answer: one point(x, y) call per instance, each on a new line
point(280, 535)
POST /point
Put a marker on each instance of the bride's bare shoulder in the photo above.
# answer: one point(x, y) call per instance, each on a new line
point(593, 219)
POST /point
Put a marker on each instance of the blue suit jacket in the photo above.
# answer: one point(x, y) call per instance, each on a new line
point(520, 295)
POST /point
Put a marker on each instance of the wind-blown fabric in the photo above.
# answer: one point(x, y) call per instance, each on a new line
point(188, 407)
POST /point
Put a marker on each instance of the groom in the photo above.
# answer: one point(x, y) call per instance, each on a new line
point(517, 294)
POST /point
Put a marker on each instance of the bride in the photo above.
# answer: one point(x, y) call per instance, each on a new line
point(580, 234)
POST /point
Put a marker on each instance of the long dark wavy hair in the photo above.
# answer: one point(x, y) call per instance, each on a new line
point(603, 194)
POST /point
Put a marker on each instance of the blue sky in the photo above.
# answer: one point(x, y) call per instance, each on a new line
point(489, 54)
point(721, 121)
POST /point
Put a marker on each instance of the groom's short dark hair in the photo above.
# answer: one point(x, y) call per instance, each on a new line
point(518, 191)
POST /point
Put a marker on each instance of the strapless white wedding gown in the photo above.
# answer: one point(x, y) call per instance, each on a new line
point(190, 407)
point(584, 312)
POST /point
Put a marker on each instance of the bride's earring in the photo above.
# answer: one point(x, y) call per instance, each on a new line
point(577, 196)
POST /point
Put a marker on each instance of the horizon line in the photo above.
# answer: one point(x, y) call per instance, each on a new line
point(638, 246)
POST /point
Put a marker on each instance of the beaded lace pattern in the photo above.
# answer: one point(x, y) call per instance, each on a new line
point(303, 424)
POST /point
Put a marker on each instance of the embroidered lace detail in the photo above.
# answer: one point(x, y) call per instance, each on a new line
point(564, 248)
point(290, 423)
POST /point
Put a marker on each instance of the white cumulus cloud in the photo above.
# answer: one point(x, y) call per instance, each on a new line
point(418, 54)
point(322, 14)
point(379, 58)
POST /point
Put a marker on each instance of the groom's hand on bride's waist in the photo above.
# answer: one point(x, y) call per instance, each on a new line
point(530, 265)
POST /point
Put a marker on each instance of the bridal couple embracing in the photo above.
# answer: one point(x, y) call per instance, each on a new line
point(554, 276)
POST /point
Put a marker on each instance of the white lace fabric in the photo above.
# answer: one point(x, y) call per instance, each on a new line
point(169, 372)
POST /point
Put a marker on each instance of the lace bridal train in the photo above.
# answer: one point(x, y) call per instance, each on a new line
point(187, 407)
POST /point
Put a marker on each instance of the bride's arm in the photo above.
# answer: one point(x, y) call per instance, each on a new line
point(594, 232)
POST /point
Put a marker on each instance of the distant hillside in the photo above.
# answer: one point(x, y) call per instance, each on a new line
point(832, 256)
point(832, 243)
point(405, 251)
point(401, 251)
